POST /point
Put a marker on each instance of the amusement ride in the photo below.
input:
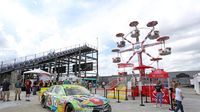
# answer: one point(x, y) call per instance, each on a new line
point(138, 47)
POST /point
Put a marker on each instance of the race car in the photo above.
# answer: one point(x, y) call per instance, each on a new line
point(73, 98)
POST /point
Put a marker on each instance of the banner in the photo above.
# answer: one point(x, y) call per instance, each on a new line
point(165, 99)
point(123, 65)
point(158, 73)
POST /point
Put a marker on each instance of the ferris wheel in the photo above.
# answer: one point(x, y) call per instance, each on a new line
point(137, 46)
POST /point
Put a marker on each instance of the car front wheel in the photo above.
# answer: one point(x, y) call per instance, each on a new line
point(69, 108)
point(109, 108)
point(43, 102)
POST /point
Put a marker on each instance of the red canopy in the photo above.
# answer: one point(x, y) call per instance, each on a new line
point(158, 73)
point(142, 67)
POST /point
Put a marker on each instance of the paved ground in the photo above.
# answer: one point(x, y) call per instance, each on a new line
point(191, 104)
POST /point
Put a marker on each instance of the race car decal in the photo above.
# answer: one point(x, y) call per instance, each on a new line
point(80, 102)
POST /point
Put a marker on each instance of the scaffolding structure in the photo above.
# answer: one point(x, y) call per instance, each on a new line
point(78, 60)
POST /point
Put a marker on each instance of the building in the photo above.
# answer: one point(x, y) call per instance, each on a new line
point(180, 76)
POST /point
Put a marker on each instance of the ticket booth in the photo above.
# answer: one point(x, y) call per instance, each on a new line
point(162, 76)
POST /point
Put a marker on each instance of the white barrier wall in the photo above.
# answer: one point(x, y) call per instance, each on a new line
point(196, 82)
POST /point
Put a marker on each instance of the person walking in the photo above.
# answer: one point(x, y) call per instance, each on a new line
point(90, 86)
point(172, 91)
point(159, 93)
point(28, 89)
point(179, 98)
point(5, 90)
point(18, 86)
point(66, 81)
point(103, 84)
point(34, 88)
point(1, 94)
point(41, 84)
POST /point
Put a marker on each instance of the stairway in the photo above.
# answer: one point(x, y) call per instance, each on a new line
point(118, 83)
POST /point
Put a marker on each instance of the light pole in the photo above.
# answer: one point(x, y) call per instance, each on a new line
point(138, 47)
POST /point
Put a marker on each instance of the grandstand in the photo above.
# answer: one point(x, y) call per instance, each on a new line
point(79, 60)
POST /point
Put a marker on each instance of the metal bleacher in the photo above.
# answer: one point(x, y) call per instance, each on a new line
point(32, 60)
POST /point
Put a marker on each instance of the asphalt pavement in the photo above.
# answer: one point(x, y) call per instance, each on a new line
point(191, 104)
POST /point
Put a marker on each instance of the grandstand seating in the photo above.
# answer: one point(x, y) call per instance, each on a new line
point(14, 65)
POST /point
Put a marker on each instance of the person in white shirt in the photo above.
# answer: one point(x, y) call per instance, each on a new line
point(179, 97)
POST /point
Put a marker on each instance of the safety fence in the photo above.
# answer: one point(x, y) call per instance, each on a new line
point(116, 93)
point(147, 92)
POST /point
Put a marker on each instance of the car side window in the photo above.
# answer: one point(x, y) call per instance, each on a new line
point(50, 89)
point(58, 90)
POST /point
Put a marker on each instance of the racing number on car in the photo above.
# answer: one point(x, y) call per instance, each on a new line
point(54, 102)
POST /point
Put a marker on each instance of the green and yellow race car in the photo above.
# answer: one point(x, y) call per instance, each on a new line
point(73, 98)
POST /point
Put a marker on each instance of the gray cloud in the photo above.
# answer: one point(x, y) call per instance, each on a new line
point(181, 28)
point(184, 65)
point(195, 47)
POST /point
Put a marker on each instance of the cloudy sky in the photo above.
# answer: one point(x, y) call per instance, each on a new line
point(33, 26)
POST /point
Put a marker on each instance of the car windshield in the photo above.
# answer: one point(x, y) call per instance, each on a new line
point(76, 91)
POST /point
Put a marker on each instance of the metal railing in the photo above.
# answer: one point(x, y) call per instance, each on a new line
point(12, 62)
point(115, 82)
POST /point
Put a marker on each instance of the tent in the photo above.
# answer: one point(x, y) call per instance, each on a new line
point(37, 74)
point(72, 78)
point(158, 73)
point(37, 71)
point(90, 79)
point(197, 83)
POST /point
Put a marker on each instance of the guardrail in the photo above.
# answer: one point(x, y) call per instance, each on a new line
point(115, 82)
point(116, 93)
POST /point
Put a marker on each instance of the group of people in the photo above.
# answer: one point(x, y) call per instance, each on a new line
point(5, 89)
point(175, 87)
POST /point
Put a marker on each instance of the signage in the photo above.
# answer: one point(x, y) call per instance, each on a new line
point(123, 65)
point(165, 99)
point(83, 67)
point(138, 47)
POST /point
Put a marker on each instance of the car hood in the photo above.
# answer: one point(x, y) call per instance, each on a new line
point(90, 100)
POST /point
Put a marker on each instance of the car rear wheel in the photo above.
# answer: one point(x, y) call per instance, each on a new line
point(69, 108)
point(43, 102)
point(109, 108)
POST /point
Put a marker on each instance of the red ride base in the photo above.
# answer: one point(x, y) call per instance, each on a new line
point(150, 91)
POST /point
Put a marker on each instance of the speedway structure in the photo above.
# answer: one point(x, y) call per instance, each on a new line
point(80, 60)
